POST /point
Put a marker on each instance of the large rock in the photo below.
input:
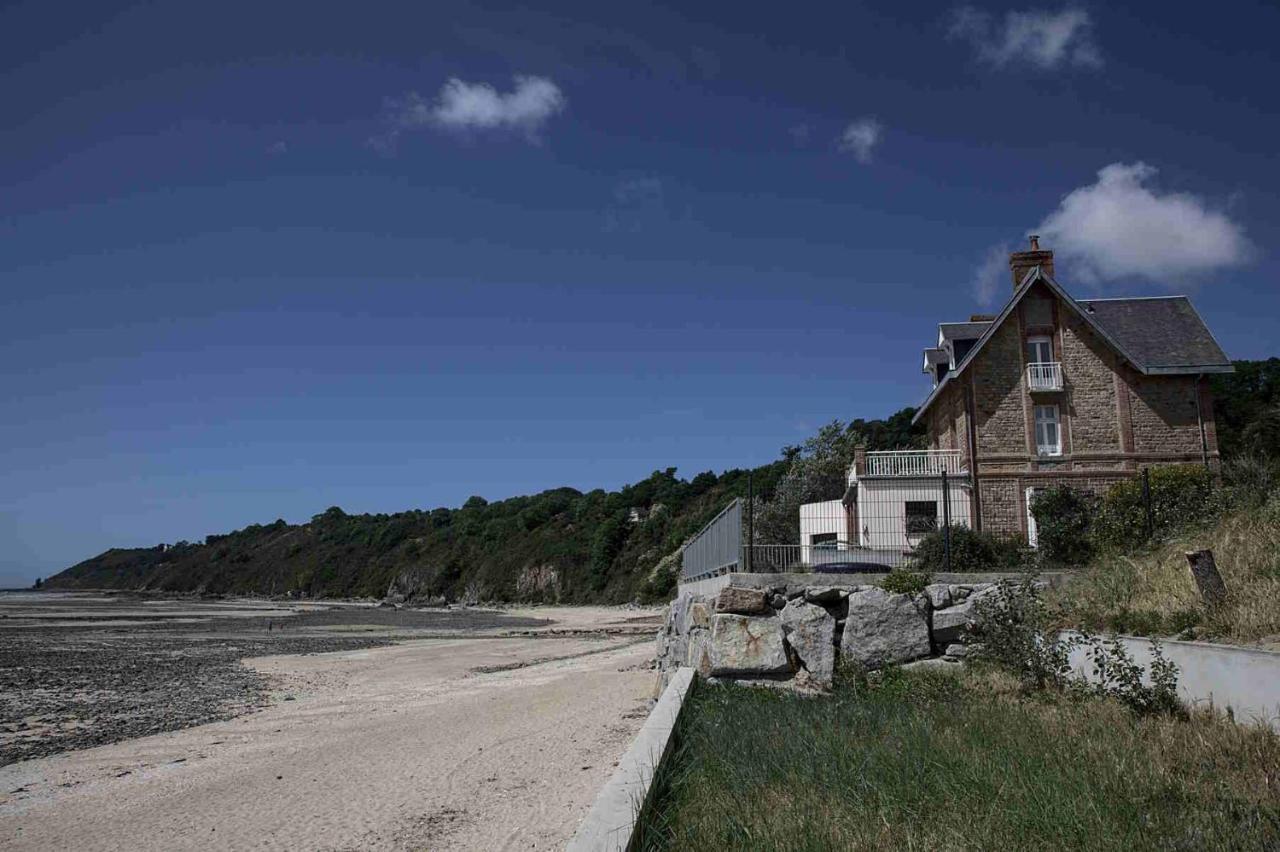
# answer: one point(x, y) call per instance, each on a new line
point(742, 600)
point(825, 594)
point(679, 619)
point(698, 615)
point(700, 652)
point(883, 629)
point(810, 631)
point(742, 646)
point(951, 624)
point(939, 595)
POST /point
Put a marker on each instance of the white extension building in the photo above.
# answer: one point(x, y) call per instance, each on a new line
point(893, 499)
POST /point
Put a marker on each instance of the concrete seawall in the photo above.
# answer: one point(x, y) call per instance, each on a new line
point(1228, 678)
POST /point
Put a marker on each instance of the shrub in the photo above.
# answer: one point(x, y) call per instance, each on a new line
point(1119, 677)
point(1011, 629)
point(1063, 517)
point(1181, 495)
point(903, 582)
point(970, 551)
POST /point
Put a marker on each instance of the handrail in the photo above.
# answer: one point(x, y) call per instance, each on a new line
point(914, 462)
point(1044, 376)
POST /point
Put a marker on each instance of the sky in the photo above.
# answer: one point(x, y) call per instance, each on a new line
point(258, 259)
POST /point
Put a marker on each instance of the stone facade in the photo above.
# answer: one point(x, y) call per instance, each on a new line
point(806, 627)
point(1113, 421)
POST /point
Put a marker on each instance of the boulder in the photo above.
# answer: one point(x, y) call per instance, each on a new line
point(777, 600)
point(741, 600)
point(939, 595)
point(884, 629)
point(950, 624)
point(825, 594)
point(742, 646)
point(810, 631)
point(698, 616)
point(679, 619)
point(699, 657)
point(956, 651)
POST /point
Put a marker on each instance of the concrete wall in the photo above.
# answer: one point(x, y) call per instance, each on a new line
point(882, 506)
point(1243, 681)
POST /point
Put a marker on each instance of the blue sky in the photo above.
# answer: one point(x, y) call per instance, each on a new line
point(260, 259)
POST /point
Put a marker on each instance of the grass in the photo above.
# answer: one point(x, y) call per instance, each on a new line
point(1152, 593)
point(940, 761)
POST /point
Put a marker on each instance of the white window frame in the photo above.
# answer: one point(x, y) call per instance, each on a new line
point(1033, 532)
point(1033, 343)
point(1050, 415)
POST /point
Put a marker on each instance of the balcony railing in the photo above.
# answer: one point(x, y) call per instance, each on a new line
point(914, 463)
point(1044, 376)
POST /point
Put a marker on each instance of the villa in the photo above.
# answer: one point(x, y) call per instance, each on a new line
point(1051, 390)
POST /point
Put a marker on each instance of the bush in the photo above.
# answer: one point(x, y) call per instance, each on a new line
point(970, 551)
point(903, 582)
point(1012, 632)
point(1181, 495)
point(1063, 517)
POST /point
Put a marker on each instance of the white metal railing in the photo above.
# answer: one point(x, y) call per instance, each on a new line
point(1044, 376)
point(914, 462)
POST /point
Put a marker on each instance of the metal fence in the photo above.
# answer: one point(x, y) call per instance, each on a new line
point(878, 524)
point(717, 548)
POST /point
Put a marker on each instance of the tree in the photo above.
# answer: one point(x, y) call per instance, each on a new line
point(39, 582)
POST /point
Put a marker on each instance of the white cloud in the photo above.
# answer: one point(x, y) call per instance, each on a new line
point(860, 138)
point(1121, 226)
point(992, 275)
point(463, 106)
point(1035, 37)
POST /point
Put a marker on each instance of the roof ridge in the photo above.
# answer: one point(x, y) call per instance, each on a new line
point(1133, 298)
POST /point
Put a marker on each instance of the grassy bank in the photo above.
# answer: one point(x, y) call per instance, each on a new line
point(935, 761)
point(1152, 593)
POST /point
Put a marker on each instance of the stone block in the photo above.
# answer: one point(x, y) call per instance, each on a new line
point(698, 616)
point(939, 595)
point(810, 632)
point(825, 594)
point(742, 646)
point(884, 629)
point(699, 657)
point(741, 600)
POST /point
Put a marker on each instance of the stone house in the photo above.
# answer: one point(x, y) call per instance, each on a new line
point(1057, 390)
point(1084, 392)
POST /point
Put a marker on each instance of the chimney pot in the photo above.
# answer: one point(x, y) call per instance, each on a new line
point(1022, 262)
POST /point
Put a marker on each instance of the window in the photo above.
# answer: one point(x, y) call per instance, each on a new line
point(825, 541)
point(1039, 350)
point(922, 516)
point(1048, 431)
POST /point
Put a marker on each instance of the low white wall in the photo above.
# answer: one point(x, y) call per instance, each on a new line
point(1245, 681)
point(611, 821)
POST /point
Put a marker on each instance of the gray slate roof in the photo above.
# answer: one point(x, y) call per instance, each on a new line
point(962, 330)
point(1161, 333)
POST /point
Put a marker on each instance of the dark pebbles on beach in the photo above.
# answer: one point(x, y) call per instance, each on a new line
point(74, 689)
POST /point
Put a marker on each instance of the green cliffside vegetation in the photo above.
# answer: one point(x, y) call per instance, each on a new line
point(561, 545)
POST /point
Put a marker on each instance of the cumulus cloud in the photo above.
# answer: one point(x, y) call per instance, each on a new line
point(992, 275)
point(1123, 226)
point(860, 138)
point(462, 106)
point(1036, 37)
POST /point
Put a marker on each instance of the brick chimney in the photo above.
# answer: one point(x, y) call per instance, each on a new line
point(1021, 262)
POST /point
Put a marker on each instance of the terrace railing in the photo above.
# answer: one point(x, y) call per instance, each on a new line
point(914, 463)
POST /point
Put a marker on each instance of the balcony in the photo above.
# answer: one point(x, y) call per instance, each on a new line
point(1044, 376)
point(914, 463)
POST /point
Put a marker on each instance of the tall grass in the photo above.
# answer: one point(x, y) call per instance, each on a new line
point(933, 761)
point(1152, 592)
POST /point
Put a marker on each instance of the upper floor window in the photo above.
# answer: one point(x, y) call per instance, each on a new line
point(1039, 350)
point(1048, 431)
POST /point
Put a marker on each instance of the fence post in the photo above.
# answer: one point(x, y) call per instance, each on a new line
point(1146, 502)
point(946, 522)
point(751, 522)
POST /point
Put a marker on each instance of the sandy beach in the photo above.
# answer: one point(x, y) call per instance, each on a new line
point(490, 738)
